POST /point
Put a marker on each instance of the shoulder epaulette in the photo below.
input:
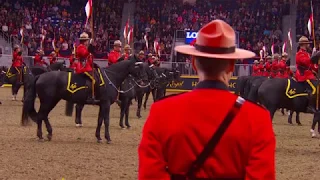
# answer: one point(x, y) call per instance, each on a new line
point(169, 96)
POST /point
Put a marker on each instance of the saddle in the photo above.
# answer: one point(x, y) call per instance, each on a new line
point(80, 82)
point(297, 89)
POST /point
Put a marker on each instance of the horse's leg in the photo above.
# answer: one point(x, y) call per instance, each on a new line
point(154, 94)
point(100, 120)
point(298, 118)
point(45, 110)
point(122, 110)
point(49, 128)
point(140, 97)
point(290, 118)
point(79, 108)
point(282, 111)
point(146, 99)
point(272, 110)
point(313, 126)
point(127, 115)
point(106, 117)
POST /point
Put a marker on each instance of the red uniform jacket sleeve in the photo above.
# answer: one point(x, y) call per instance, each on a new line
point(113, 57)
point(151, 160)
point(303, 59)
point(82, 52)
point(262, 158)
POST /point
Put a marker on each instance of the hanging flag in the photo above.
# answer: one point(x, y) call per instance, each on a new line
point(88, 10)
point(156, 47)
point(261, 54)
point(146, 39)
point(284, 47)
point(310, 21)
point(264, 51)
point(290, 39)
point(126, 30)
point(21, 33)
point(130, 35)
point(272, 49)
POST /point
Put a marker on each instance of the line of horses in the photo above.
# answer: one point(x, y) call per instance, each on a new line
point(272, 94)
point(131, 79)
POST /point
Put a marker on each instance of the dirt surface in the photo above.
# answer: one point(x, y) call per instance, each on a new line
point(74, 154)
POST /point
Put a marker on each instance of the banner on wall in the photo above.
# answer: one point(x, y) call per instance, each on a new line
point(187, 83)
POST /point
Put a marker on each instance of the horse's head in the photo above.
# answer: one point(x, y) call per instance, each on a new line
point(139, 71)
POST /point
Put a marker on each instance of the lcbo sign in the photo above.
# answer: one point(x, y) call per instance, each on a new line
point(191, 35)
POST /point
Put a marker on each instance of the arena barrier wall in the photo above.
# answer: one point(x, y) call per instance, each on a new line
point(187, 83)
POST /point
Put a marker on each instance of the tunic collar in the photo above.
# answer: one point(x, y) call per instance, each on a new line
point(211, 84)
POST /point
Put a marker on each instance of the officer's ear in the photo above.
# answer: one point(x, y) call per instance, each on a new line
point(193, 63)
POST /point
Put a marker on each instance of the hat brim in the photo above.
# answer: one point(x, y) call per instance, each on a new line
point(117, 45)
point(84, 38)
point(305, 42)
point(238, 54)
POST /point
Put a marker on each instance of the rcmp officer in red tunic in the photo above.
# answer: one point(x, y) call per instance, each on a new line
point(85, 62)
point(53, 57)
point(256, 68)
point(267, 69)
point(114, 55)
point(17, 62)
point(282, 66)
point(172, 141)
point(275, 66)
point(304, 66)
point(38, 58)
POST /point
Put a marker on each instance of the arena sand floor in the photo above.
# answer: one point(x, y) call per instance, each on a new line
point(74, 154)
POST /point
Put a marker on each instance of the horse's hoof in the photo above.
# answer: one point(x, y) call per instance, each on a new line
point(108, 141)
point(40, 140)
point(79, 125)
point(99, 141)
point(49, 137)
point(128, 127)
point(122, 127)
point(139, 116)
point(299, 124)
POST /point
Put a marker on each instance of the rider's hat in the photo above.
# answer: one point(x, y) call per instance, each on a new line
point(149, 55)
point(261, 60)
point(304, 40)
point(127, 47)
point(117, 43)
point(16, 47)
point(284, 54)
point(256, 61)
point(141, 53)
point(217, 40)
point(84, 36)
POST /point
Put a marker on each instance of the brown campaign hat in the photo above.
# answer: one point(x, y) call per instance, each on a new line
point(304, 40)
point(84, 36)
point(216, 39)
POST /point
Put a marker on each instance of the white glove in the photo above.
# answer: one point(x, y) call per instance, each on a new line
point(91, 41)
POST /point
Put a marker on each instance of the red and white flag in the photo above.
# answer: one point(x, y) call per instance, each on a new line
point(261, 54)
point(264, 51)
point(126, 30)
point(156, 47)
point(310, 21)
point(130, 35)
point(21, 33)
point(272, 49)
point(146, 39)
point(284, 47)
point(88, 10)
point(290, 38)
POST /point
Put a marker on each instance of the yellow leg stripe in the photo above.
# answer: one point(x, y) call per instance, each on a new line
point(314, 90)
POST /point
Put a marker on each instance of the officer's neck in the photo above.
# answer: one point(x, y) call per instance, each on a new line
point(223, 77)
point(303, 48)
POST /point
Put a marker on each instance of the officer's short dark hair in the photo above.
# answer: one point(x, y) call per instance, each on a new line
point(212, 66)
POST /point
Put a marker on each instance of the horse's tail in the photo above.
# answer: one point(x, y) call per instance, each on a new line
point(69, 108)
point(28, 109)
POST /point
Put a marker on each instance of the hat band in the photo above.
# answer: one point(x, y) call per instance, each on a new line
point(215, 50)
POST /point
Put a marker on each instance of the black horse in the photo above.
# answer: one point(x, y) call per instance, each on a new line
point(158, 89)
point(241, 86)
point(53, 86)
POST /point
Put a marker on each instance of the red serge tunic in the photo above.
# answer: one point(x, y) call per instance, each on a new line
point(113, 57)
point(303, 63)
point(83, 55)
point(171, 141)
point(17, 60)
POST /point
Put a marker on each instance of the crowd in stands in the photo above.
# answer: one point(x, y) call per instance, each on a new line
point(303, 15)
point(258, 22)
point(62, 20)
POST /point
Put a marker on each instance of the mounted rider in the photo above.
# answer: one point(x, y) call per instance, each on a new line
point(114, 55)
point(282, 66)
point(149, 59)
point(275, 65)
point(85, 63)
point(305, 67)
point(256, 68)
point(38, 58)
point(17, 62)
point(53, 57)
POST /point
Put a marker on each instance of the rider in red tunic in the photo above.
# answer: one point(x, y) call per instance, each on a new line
point(267, 66)
point(304, 67)
point(282, 66)
point(38, 61)
point(85, 64)
point(256, 69)
point(261, 67)
point(53, 57)
point(275, 66)
point(17, 62)
point(114, 55)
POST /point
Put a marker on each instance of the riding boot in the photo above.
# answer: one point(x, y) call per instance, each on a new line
point(311, 105)
point(118, 101)
point(92, 99)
